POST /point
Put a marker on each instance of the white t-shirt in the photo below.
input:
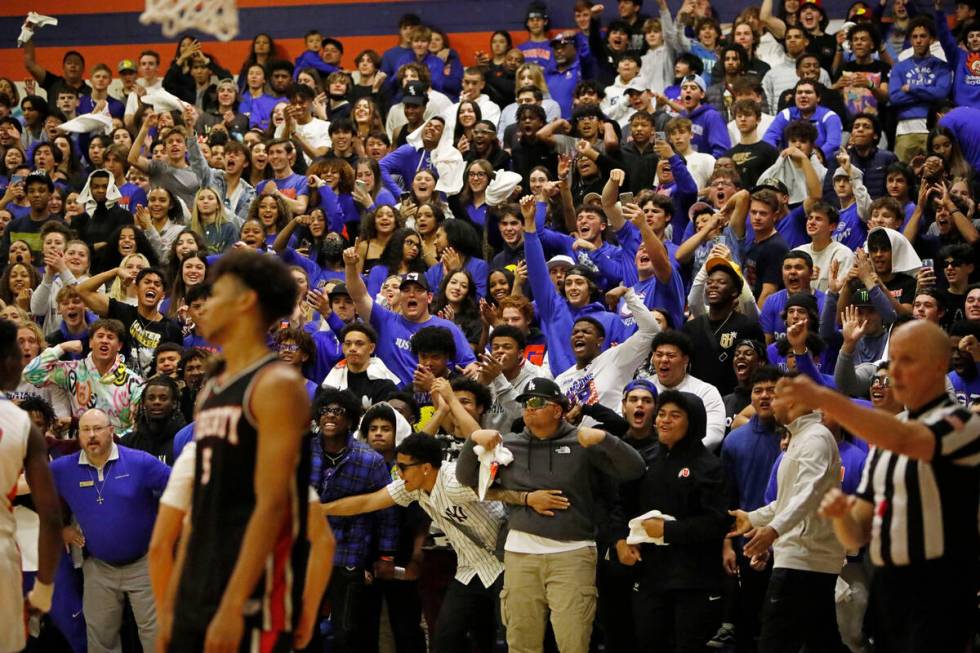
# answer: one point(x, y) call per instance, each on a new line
point(823, 260)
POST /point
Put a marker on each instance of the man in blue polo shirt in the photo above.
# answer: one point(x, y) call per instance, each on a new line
point(112, 492)
point(395, 348)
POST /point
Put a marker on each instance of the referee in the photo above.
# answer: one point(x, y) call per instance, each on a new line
point(918, 497)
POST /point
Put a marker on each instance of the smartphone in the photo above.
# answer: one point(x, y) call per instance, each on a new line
point(928, 263)
point(361, 185)
point(407, 195)
point(626, 198)
point(305, 244)
point(16, 179)
point(661, 136)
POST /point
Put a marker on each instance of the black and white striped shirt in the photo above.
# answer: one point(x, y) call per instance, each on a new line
point(926, 510)
point(458, 511)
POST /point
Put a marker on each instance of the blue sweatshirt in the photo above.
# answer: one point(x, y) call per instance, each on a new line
point(966, 65)
point(929, 80)
point(557, 316)
point(710, 131)
point(828, 126)
point(310, 59)
point(748, 454)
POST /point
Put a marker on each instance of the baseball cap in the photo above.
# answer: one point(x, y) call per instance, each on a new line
point(38, 176)
point(592, 198)
point(640, 384)
point(636, 86)
point(698, 208)
point(562, 39)
point(580, 270)
point(840, 172)
point(338, 290)
point(126, 65)
point(416, 93)
point(560, 259)
point(697, 79)
point(716, 262)
point(862, 297)
point(545, 388)
point(413, 277)
point(770, 183)
point(815, 4)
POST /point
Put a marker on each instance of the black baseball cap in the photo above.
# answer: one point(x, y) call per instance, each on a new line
point(545, 388)
point(770, 183)
point(416, 278)
point(338, 290)
point(416, 93)
point(36, 176)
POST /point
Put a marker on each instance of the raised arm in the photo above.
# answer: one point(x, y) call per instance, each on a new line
point(89, 291)
point(282, 238)
point(135, 157)
point(610, 199)
point(775, 25)
point(31, 64)
point(655, 248)
point(355, 285)
point(547, 133)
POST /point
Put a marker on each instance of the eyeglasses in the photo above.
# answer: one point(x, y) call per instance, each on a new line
point(534, 403)
point(477, 173)
point(881, 382)
point(289, 349)
point(953, 263)
point(404, 466)
point(336, 411)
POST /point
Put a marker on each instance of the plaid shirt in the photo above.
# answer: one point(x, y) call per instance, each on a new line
point(360, 470)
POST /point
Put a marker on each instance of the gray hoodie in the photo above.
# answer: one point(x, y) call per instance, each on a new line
point(558, 463)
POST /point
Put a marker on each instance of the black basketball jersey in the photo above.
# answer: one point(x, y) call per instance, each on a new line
point(223, 501)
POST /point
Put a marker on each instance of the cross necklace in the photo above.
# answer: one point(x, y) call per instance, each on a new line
point(98, 491)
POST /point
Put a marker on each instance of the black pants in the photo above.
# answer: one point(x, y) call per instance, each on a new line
point(925, 607)
point(404, 613)
point(353, 613)
point(615, 616)
point(800, 609)
point(468, 609)
point(675, 620)
point(751, 594)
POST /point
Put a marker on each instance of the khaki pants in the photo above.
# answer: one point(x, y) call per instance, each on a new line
point(906, 144)
point(561, 582)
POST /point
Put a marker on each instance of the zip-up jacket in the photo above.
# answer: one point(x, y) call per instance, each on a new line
point(558, 463)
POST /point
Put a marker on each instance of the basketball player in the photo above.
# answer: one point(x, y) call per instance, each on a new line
point(22, 448)
point(240, 569)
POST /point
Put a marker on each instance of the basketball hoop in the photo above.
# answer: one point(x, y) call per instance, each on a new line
point(216, 17)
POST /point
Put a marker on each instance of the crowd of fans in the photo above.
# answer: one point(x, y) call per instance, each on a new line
point(630, 239)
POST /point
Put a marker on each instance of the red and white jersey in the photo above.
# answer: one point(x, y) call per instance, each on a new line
point(15, 427)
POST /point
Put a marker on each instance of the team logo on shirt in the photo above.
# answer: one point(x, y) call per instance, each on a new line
point(684, 473)
point(727, 339)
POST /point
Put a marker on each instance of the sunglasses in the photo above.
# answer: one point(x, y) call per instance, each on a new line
point(880, 381)
point(953, 263)
point(336, 411)
point(534, 403)
point(404, 466)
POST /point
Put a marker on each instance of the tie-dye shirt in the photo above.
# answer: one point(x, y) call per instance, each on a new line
point(117, 392)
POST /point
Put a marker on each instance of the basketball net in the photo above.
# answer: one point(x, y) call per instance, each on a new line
point(216, 17)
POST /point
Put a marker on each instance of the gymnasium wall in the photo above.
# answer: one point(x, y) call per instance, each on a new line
point(109, 30)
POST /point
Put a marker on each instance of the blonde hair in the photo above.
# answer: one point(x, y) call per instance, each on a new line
point(537, 77)
point(219, 217)
point(116, 291)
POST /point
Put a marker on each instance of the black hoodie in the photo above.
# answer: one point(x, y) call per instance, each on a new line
point(686, 482)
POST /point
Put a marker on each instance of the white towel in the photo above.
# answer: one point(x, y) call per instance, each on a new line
point(162, 100)
point(88, 123)
point(638, 534)
point(112, 195)
point(490, 461)
point(503, 184)
point(446, 158)
point(37, 20)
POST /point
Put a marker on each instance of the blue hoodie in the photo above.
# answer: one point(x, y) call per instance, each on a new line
point(310, 59)
point(828, 126)
point(710, 131)
point(966, 65)
point(557, 316)
point(929, 80)
point(965, 123)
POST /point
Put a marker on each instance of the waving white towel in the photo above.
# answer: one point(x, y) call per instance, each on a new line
point(37, 20)
point(162, 100)
point(490, 461)
point(503, 184)
point(88, 123)
point(638, 534)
